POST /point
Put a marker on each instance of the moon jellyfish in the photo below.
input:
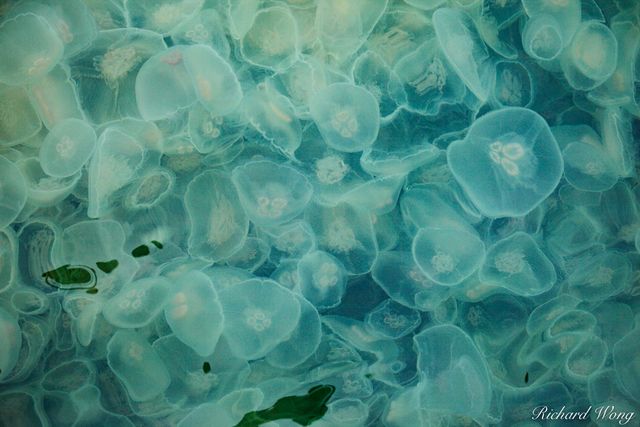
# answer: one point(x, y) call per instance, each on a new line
point(194, 312)
point(514, 85)
point(542, 37)
point(137, 303)
point(114, 164)
point(591, 57)
point(347, 116)
point(303, 341)
point(447, 255)
point(517, 264)
point(428, 80)
point(626, 364)
point(322, 279)
point(29, 48)
point(137, 365)
point(271, 194)
point(260, 315)
point(215, 83)
point(106, 72)
point(164, 86)
point(13, 191)
point(272, 39)
point(464, 49)
point(162, 16)
point(588, 167)
point(19, 121)
point(346, 233)
point(454, 377)
point(67, 148)
point(215, 134)
point(12, 343)
point(274, 117)
point(219, 224)
point(150, 189)
point(567, 14)
point(508, 163)
point(390, 320)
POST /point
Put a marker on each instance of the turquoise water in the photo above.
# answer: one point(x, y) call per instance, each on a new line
point(335, 213)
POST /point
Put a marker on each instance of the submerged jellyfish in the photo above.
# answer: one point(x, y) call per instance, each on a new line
point(464, 49)
point(428, 80)
point(18, 119)
point(194, 312)
point(260, 315)
point(508, 163)
point(270, 193)
point(137, 303)
point(164, 86)
point(274, 117)
point(215, 83)
point(67, 148)
point(591, 57)
point(137, 365)
point(29, 49)
point(514, 85)
point(542, 37)
point(11, 343)
point(447, 255)
point(391, 320)
point(517, 264)
point(272, 40)
point(113, 166)
point(322, 279)
point(13, 191)
point(454, 377)
point(347, 116)
point(219, 224)
point(588, 167)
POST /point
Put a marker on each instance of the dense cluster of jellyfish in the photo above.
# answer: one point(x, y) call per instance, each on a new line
point(336, 213)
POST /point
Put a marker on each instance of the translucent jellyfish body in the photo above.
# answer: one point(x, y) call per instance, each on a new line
point(55, 97)
point(454, 375)
point(464, 49)
point(542, 37)
point(163, 85)
point(371, 72)
point(215, 83)
point(626, 363)
point(137, 303)
point(588, 167)
point(514, 85)
point(260, 315)
point(106, 72)
point(30, 49)
point(13, 191)
point(194, 312)
point(137, 365)
point(508, 163)
point(150, 189)
point(390, 320)
point(18, 119)
point(273, 116)
point(67, 148)
point(345, 232)
point(44, 190)
point(602, 276)
point(270, 193)
point(322, 279)
point(114, 165)
point(591, 57)
point(303, 341)
point(163, 16)
point(567, 14)
point(428, 79)
point(272, 39)
point(219, 224)
point(12, 339)
point(447, 255)
point(347, 116)
point(517, 264)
